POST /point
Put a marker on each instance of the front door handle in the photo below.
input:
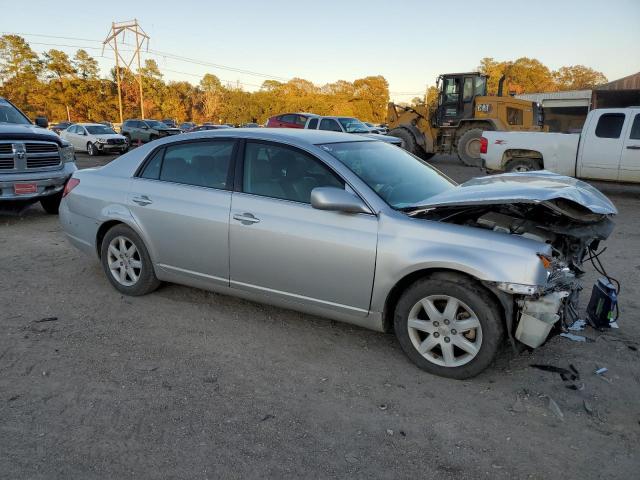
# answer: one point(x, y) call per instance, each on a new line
point(246, 218)
point(142, 200)
point(633, 147)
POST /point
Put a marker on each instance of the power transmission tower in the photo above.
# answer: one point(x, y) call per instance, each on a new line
point(117, 34)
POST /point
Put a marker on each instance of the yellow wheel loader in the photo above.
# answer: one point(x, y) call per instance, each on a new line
point(463, 112)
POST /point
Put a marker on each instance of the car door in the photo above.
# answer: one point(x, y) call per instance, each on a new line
point(281, 245)
point(181, 199)
point(602, 146)
point(69, 135)
point(630, 160)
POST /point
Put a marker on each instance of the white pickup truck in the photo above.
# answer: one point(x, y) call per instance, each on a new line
point(607, 149)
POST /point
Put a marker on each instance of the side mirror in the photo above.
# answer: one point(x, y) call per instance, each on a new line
point(338, 200)
point(42, 122)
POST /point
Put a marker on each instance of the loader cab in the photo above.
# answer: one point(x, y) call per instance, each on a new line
point(457, 92)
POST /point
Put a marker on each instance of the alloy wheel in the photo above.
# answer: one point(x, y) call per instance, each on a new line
point(444, 330)
point(125, 263)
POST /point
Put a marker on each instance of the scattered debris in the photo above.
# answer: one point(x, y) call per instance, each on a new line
point(402, 432)
point(573, 337)
point(578, 325)
point(15, 397)
point(268, 416)
point(563, 372)
point(389, 431)
point(602, 370)
point(383, 406)
point(146, 367)
point(587, 407)
point(351, 458)
point(555, 409)
point(211, 379)
point(46, 319)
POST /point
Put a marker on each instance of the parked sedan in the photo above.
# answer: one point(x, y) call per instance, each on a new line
point(344, 227)
point(95, 138)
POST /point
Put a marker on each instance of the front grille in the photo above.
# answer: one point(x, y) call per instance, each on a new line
point(115, 141)
point(41, 147)
point(42, 162)
point(5, 148)
point(6, 163)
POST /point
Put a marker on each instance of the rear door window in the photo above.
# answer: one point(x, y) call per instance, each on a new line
point(330, 124)
point(610, 125)
point(288, 118)
point(313, 123)
point(202, 164)
point(635, 128)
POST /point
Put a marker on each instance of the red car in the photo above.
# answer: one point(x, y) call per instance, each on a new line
point(289, 120)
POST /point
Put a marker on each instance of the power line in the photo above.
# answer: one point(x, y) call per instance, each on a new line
point(158, 53)
point(151, 52)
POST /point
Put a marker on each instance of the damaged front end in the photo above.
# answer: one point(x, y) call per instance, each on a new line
point(569, 215)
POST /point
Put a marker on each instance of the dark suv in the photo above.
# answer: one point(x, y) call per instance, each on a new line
point(289, 120)
point(146, 130)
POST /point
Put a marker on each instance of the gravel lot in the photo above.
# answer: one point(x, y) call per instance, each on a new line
point(189, 384)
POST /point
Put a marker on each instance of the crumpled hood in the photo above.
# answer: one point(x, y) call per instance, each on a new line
point(530, 187)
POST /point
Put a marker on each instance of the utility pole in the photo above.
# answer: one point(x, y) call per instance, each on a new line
point(117, 34)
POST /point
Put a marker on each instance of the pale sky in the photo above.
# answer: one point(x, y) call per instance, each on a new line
point(408, 42)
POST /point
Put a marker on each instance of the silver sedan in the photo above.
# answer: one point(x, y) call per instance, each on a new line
point(343, 227)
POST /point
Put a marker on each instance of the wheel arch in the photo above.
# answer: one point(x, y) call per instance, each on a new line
point(401, 285)
point(512, 153)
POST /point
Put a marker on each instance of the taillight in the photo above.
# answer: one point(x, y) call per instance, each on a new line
point(71, 184)
point(483, 145)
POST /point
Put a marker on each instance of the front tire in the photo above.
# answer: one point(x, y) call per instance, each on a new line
point(126, 262)
point(469, 147)
point(448, 325)
point(91, 149)
point(51, 204)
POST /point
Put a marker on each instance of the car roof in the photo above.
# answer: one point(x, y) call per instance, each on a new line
point(285, 135)
point(90, 124)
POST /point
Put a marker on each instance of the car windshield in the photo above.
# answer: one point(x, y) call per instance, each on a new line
point(353, 125)
point(9, 114)
point(399, 178)
point(155, 124)
point(100, 130)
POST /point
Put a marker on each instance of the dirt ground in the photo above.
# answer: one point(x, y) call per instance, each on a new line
point(184, 383)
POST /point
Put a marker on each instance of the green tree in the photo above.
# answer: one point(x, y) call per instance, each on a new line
point(58, 64)
point(578, 77)
point(17, 58)
point(85, 65)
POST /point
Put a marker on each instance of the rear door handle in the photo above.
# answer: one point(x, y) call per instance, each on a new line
point(633, 147)
point(142, 200)
point(246, 218)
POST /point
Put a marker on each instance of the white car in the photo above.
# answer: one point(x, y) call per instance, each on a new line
point(95, 138)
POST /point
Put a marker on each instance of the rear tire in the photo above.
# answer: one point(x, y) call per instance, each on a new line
point(126, 262)
point(456, 302)
point(51, 204)
point(520, 165)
